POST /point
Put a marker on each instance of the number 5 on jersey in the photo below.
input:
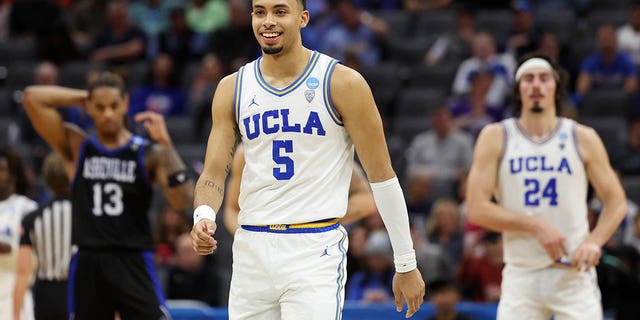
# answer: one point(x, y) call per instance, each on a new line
point(281, 147)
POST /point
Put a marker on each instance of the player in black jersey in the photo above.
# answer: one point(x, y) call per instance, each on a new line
point(112, 174)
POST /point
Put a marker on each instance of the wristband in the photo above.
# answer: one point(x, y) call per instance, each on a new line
point(177, 178)
point(203, 212)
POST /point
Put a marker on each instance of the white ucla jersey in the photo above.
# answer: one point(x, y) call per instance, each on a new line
point(299, 157)
point(12, 210)
point(545, 178)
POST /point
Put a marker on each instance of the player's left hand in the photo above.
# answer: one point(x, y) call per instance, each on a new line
point(408, 287)
point(586, 256)
point(153, 122)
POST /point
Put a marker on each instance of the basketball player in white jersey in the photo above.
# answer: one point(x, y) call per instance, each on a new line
point(360, 205)
point(538, 167)
point(299, 115)
point(13, 207)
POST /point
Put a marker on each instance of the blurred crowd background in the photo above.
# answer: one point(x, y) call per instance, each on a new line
point(439, 70)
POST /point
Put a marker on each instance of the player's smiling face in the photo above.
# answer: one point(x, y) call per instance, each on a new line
point(277, 24)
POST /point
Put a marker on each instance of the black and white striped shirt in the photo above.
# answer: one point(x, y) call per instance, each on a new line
point(48, 231)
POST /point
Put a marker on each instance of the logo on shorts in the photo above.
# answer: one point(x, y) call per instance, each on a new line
point(325, 252)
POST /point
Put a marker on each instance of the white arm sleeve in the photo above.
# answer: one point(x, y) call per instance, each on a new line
point(393, 210)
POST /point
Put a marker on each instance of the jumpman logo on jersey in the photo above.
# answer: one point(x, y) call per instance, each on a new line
point(253, 101)
point(325, 252)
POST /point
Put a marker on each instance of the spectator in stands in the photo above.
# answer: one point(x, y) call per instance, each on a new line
point(373, 285)
point(608, 68)
point(87, 20)
point(485, 57)
point(171, 225)
point(550, 47)
point(471, 112)
point(444, 296)
point(207, 16)
point(152, 18)
point(629, 34)
point(441, 153)
point(524, 36)
point(418, 6)
point(189, 279)
point(356, 32)
point(419, 199)
point(202, 89)
point(481, 275)
point(235, 44)
point(624, 234)
point(161, 92)
point(630, 160)
point(120, 42)
point(444, 228)
point(634, 240)
point(433, 263)
point(179, 41)
point(454, 46)
point(378, 4)
point(356, 255)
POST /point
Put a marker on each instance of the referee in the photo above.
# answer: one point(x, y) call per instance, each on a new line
point(47, 231)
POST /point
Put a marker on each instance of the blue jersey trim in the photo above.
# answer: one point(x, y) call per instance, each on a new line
point(237, 94)
point(71, 306)
point(335, 116)
point(341, 275)
point(147, 256)
point(294, 85)
point(107, 151)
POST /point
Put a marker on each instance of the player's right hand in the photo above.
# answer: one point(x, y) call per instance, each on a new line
point(202, 237)
point(550, 239)
point(408, 287)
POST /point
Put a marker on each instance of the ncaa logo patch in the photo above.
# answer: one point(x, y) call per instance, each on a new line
point(313, 83)
point(309, 95)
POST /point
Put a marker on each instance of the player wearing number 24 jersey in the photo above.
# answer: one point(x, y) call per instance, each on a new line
point(112, 174)
point(538, 167)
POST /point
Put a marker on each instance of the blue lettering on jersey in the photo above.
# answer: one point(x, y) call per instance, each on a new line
point(538, 163)
point(273, 121)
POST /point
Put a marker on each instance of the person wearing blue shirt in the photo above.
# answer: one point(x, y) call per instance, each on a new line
point(608, 68)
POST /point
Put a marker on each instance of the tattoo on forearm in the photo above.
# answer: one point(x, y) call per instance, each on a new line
point(211, 184)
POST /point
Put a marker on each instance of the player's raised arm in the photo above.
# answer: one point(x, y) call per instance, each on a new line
point(352, 98)
point(169, 171)
point(40, 103)
point(482, 182)
point(232, 192)
point(608, 190)
point(209, 189)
